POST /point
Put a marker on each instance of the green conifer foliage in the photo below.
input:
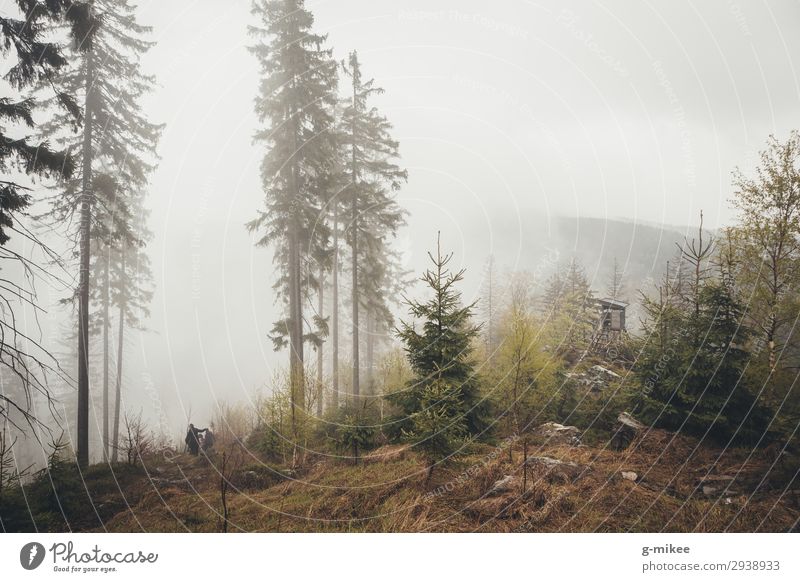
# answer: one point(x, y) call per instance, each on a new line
point(295, 106)
point(441, 357)
point(373, 176)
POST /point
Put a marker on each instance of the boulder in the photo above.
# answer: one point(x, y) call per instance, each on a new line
point(627, 420)
point(627, 430)
point(386, 454)
point(714, 483)
point(504, 485)
point(553, 470)
point(595, 378)
point(581, 379)
point(558, 433)
point(630, 476)
point(600, 372)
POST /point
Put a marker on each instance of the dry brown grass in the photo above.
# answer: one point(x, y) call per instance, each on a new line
point(386, 494)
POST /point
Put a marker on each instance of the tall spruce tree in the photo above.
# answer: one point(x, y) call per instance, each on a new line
point(321, 345)
point(373, 176)
point(295, 103)
point(335, 302)
point(131, 293)
point(120, 225)
point(33, 60)
point(329, 187)
point(337, 186)
point(116, 154)
point(315, 287)
point(122, 288)
point(385, 281)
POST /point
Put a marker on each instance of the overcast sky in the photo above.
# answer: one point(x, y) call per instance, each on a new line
point(505, 112)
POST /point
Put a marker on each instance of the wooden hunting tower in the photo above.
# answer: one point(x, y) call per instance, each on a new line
point(612, 317)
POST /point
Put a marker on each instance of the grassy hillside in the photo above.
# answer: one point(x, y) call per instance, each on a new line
point(679, 486)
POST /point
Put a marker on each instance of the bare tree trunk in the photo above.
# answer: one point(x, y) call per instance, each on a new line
point(489, 331)
point(773, 326)
point(525, 464)
point(370, 353)
point(296, 370)
point(83, 289)
point(120, 352)
point(296, 358)
point(295, 331)
point(515, 393)
point(106, 285)
point(118, 399)
point(429, 473)
point(335, 307)
point(354, 226)
point(356, 360)
point(320, 350)
point(223, 489)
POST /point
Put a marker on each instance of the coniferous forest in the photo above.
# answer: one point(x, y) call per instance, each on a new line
point(295, 267)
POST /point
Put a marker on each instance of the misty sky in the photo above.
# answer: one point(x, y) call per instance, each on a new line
point(506, 112)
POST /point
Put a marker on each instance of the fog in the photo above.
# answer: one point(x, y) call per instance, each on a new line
point(509, 115)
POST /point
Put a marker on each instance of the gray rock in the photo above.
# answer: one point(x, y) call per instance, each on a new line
point(628, 421)
point(718, 479)
point(601, 371)
point(554, 470)
point(504, 485)
point(628, 428)
point(630, 476)
point(558, 433)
